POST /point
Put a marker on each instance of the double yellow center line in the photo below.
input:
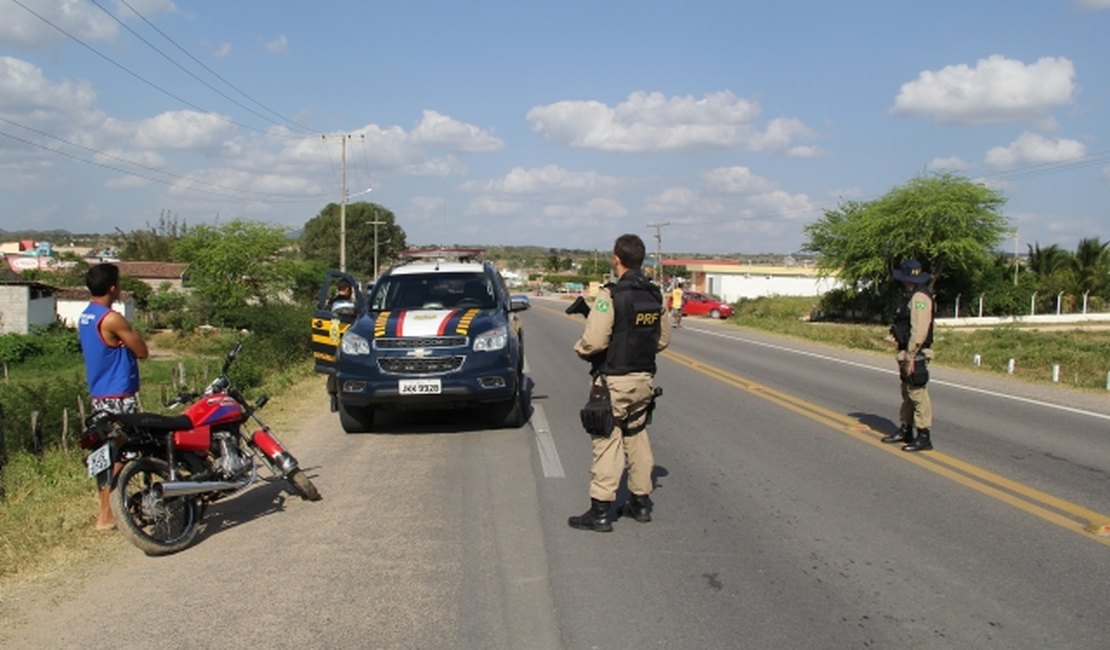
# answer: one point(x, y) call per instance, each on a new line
point(1070, 516)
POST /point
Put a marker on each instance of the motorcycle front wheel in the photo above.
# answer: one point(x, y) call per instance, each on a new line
point(304, 485)
point(156, 525)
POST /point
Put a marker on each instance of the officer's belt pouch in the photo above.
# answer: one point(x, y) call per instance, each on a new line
point(920, 375)
point(597, 415)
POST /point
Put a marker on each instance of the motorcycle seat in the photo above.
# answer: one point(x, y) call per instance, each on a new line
point(154, 421)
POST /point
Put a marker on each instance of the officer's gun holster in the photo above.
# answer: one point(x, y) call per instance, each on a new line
point(647, 412)
point(597, 414)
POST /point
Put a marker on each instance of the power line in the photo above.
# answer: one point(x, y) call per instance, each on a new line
point(179, 66)
point(193, 185)
point(133, 73)
point(208, 69)
point(104, 154)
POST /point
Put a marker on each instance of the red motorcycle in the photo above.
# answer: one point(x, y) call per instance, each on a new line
point(174, 466)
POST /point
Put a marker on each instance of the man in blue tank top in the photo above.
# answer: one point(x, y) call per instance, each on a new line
point(111, 348)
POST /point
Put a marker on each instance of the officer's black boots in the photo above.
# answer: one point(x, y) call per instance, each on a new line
point(638, 507)
point(922, 443)
point(596, 518)
point(904, 435)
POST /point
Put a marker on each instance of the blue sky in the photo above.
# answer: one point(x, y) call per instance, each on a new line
point(556, 124)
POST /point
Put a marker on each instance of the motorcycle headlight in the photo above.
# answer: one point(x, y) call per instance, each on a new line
point(493, 340)
point(354, 344)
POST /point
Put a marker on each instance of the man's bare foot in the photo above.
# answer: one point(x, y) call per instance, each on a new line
point(105, 525)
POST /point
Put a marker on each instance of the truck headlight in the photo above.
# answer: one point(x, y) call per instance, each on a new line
point(495, 339)
point(354, 344)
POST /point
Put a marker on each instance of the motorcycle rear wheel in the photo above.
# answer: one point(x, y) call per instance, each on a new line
point(304, 485)
point(157, 526)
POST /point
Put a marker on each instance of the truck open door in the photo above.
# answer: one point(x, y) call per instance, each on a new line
point(335, 312)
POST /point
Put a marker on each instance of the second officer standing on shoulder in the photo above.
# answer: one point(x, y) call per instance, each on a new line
point(913, 332)
point(624, 331)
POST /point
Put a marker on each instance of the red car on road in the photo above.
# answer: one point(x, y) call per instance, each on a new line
point(703, 304)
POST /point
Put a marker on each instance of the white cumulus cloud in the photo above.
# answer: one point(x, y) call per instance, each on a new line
point(951, 163)
point(655, 122)
point(682, 201)
point(21, 28)
point(279, 45)
point(1034, 148)
point(23, 87)
point(734, 180)
point(550, 180)
point(437, 130)
point(997, 89)
point(790, 206)
point(181, 130)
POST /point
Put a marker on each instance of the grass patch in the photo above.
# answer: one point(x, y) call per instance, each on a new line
point(1083, 355)
point(46, 519)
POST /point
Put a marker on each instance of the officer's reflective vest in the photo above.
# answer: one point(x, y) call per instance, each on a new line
point(638, 311)
point(902, 323)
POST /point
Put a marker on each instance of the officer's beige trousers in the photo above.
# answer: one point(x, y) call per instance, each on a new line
point(916, 409)
point(629, 394)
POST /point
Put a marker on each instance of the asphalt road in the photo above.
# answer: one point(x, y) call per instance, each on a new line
point(780, 521)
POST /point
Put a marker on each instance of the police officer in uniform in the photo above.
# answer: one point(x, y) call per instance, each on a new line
point(913, 332)
point(625, 329)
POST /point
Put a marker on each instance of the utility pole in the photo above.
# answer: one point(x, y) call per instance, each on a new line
point(376, 224)
point(343, 204)
point(658, 250)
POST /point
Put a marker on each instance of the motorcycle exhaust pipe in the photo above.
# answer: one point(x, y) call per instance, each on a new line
point(170, 489)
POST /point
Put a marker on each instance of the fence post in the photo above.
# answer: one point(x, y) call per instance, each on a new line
point(65, 430)
point(4, 451)
point(1055, 373)
point(1010, 367)
point(36, 433)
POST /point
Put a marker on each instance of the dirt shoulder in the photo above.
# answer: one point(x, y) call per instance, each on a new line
point(62, 571)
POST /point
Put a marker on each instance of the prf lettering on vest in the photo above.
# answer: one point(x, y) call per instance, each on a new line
point(646, 318)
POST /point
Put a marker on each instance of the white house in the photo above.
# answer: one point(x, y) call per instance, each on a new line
point(733, 281)
point(71, 302)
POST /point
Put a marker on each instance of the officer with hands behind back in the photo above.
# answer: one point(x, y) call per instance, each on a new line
point(913, 332)
point(624, 331)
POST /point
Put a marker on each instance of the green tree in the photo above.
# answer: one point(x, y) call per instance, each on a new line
point(155, 244)
point(949, 223)
point(1091, 267)
point(320, 238)
point(596, 267)
point(238, 263)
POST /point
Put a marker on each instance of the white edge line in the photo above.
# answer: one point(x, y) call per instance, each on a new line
point(545, 444)
point(984, 391)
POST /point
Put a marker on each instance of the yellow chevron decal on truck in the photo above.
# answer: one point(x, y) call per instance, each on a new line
point(464, 324)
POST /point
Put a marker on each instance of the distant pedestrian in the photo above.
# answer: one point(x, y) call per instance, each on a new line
point(913, 332)
point(111, 349)
point(678, 297)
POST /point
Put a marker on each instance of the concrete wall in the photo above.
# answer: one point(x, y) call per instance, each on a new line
point(732, 287)
point(23, 307)
point(1043, 319)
